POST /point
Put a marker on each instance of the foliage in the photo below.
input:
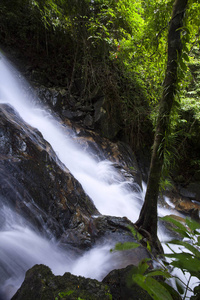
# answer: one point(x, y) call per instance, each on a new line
point(116, 49)
point(156, 281)
point(188, 260)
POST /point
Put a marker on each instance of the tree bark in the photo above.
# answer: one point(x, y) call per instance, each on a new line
point(147, 222)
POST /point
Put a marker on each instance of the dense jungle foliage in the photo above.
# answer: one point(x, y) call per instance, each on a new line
point(116, 49)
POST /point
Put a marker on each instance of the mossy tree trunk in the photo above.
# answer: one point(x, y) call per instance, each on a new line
point(147, 222)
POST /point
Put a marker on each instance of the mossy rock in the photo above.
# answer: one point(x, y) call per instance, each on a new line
point(41, 283)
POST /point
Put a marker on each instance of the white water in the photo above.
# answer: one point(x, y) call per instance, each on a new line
point(94, 176)
point(20, 246)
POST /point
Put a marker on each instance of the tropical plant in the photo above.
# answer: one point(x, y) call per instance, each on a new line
point(158, 280)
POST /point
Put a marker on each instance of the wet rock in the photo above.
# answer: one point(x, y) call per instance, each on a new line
point(185, 205)
point(34, 181)
point(41, 283)
point(187, 193)
point(105, 230)
point(91, 113)
point(56, 97)
point(119, 154)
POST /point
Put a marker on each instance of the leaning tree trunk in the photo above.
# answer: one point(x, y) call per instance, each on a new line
point(147, 222)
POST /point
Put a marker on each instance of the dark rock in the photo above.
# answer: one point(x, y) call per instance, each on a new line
point(105, 229)
point(88, 121)
point(34, 181)
point(99, 111)
point(41, 283)
point(194, 188)
point(187, 193)
point(56, 97)
point(122, 287)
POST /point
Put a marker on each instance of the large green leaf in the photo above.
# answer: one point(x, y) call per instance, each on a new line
point(188, 246)
point(175, 222)
point(156, 290)
point(192, 224)
point(179, 227)
point(159, 272)
point(143, 266)
point(186, 262)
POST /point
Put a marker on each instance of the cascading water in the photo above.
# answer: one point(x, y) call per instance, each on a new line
point(22, 246)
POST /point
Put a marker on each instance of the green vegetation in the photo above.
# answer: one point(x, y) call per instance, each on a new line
point(63, 295)
point(116, 50)
point(119, 51)
point(187, 260)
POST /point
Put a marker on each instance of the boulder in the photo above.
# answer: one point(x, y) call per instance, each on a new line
point(41, 283)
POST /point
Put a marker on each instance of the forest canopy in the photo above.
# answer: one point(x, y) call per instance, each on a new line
point(118, 49)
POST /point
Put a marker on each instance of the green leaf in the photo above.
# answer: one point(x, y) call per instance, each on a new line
point(148, 246)
point(185, 56)
point(187, 246)
point(186, 262)
point(179, 227)
point(63, 294)
point(183, 65)
point(135, 233)
point(192, 224)
point(156, 290)
point(126, 246)
point(143, 266)
point(175, 222)
point(159, 272)
point(183, 233)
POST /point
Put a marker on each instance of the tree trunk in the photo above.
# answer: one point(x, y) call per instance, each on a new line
point(147, 222)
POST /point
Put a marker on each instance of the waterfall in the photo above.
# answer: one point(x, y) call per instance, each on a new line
point(22, 246)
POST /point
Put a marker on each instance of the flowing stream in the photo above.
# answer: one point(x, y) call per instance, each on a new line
point(22, 246)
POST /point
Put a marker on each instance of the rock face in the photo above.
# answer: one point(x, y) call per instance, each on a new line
point(34, 181)
point(92, 113)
